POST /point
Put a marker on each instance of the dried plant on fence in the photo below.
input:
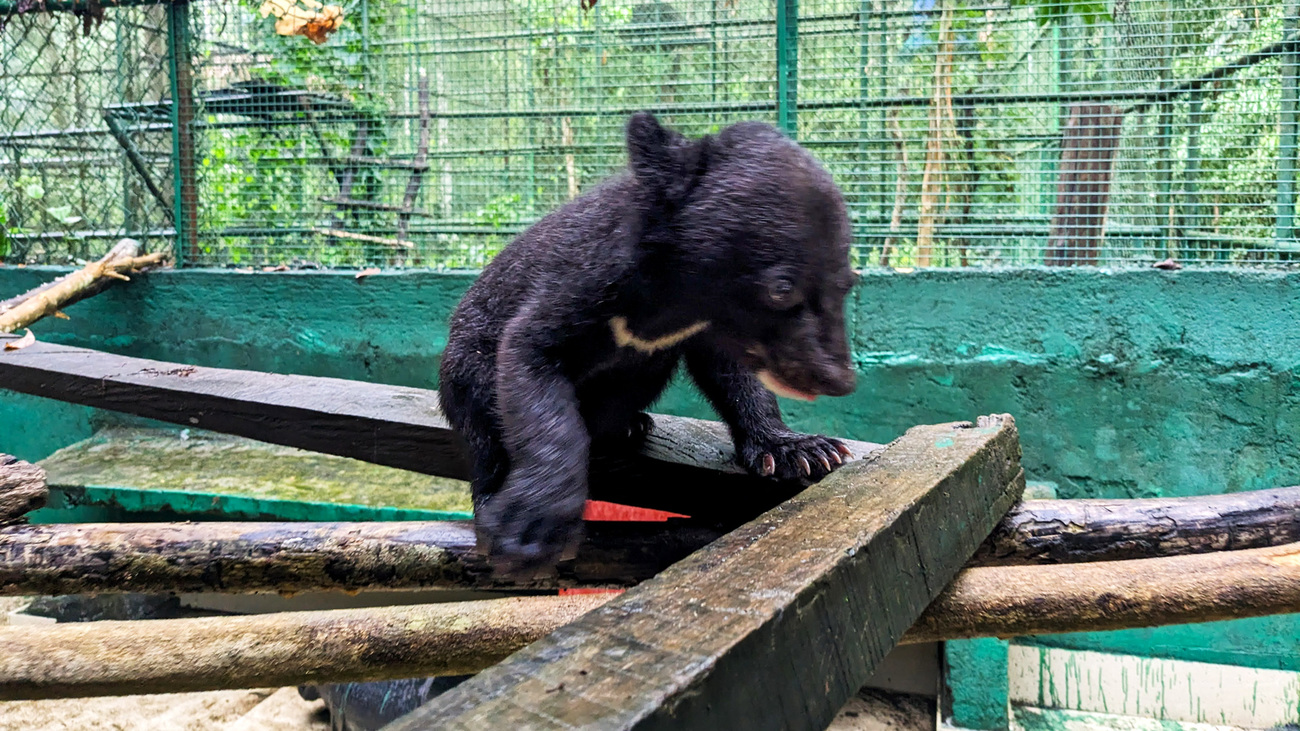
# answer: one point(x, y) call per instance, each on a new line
point(304, 18)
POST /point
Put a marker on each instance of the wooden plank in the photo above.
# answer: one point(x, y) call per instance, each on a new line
point(234, 557)
point(1075, 531)
point(775, 625)
point(687, 465)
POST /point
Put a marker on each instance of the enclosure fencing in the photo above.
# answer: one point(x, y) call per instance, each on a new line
point(427, 133)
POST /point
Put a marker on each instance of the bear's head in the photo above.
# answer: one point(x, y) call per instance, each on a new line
point(754, 235)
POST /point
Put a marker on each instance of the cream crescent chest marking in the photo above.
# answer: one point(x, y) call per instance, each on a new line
point(624, 338)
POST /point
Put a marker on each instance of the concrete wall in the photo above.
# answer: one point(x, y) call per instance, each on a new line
point(1128, 384)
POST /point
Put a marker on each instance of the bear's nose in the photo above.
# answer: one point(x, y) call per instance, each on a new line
point(838, 382)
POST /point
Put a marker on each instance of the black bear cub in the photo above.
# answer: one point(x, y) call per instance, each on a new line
point(730, 251)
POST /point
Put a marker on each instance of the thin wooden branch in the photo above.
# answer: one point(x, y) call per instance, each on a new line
point(1010, 601)
point(1074, 531)
point(686, 466)
point(22, 490)
point(271, 650)
point(340, 234)
point(290, 557)
point(47, 299)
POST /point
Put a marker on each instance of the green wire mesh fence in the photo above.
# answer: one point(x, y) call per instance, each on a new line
point(427, 133)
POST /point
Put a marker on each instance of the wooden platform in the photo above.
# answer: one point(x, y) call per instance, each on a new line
point(775, 625)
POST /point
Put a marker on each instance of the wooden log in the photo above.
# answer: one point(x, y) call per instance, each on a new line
point(775, 625)
point(368, 644)
point(1073, 531)
point(47, 299)
point(687, 466)
point(271, 650)
point(1009, 601)
point(291, 557)
point(231, 557)
point(22, 490)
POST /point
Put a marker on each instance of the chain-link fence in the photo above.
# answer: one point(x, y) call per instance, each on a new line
point(428, 133)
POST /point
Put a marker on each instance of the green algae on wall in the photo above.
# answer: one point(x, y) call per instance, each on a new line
point(196, 461)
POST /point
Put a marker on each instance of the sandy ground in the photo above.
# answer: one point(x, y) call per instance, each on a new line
point(285, 710)
point(231, 710)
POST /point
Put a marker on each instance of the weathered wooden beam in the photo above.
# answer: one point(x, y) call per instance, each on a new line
point(22, 488)
point(1010, 601)
point(292, 557)
point(775, 625)
point(1073, 531)
point(687, 465)
point(272, 650)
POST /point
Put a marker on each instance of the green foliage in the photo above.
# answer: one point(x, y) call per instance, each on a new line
point(1057, 11)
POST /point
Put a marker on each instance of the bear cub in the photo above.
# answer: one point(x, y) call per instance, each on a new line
point(730, 252)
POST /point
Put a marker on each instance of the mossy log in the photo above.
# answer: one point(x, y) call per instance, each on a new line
point(22, 489)
point(168, 655)
point(47, 299)
point(1075, 531)
point(271, 650)
point(289, 557)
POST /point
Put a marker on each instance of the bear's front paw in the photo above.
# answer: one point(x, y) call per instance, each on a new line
point(793, 456)
point(526, 529)
point(629, 439)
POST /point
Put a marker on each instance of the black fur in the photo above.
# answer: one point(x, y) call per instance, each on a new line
point(743, 230)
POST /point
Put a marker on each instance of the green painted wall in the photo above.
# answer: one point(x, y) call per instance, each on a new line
point(975, 675)
point(1129, 384)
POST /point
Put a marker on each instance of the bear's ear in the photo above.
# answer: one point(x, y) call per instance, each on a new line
point(663, 160)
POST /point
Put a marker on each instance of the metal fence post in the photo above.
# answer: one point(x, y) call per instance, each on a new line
point(185, 205)
point(1289, 130)
point(787, 66)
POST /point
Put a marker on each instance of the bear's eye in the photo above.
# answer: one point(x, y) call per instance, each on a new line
point(781, 294)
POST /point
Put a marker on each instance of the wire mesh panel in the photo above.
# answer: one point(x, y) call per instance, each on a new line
point(427, 133)
point(73, 176)
point(1059, 134)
